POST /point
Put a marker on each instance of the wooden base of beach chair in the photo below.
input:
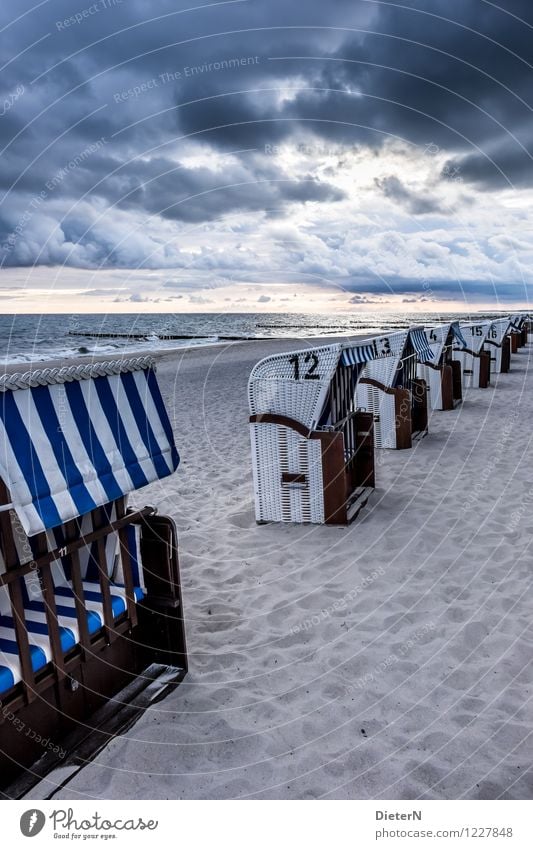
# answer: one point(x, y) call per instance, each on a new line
point(444, 385)
point(35, 719)
point(30, 731)
point(457, 383)
point(358, 501)
point(87, 739)
point(506, 355)
point(484, 369)
point(411, 413)
point(514, 342)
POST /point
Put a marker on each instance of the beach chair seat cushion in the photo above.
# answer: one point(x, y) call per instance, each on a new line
point(35, 616)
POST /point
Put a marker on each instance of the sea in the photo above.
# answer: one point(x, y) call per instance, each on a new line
point(25, 338)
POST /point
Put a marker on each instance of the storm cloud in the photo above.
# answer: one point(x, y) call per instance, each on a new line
point(125, 127)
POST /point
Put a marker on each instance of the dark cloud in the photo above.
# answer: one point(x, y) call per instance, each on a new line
point(155, 81)
point(469, 290)
point(414, 202)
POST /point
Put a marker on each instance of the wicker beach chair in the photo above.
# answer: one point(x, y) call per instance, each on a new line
point(312, 447)
point(474, 358)
point(391, 390)
point(89, 589)
point(518, 331)
point(498, 343)
point(442, 373)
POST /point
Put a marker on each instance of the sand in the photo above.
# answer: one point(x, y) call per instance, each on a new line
point(391, 659)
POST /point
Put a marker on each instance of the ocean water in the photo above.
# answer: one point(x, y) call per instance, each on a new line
point(25, 338)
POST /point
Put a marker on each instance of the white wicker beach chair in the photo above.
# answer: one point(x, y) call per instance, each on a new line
point(442, 373)
point(312, 448)
point(498, 343)
point(518, 331)
point(390, 389)
point(474, 358)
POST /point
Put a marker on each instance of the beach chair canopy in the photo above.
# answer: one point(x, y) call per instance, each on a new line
point(499, 328)
point(77, 438)
point(475, 335)
point(458, 336)
point(437, 337)
point(421, 344)
point(389, 351)
point(297, 384)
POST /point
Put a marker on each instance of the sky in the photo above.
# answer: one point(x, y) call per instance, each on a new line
point(265, 155)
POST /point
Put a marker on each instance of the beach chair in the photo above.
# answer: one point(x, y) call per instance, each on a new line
point(89, 587)
point(391, 390)
point(518, 331)
point(312, 446)
point(442, 373)
point(498, 344)
point(473, 357)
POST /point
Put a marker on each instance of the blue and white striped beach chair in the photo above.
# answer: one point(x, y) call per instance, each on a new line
point(89, 589)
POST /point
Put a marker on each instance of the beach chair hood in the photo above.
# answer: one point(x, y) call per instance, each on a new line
point(422, 342)
point(76, 438)
point(475, 335)
point(297, 384)
point(457, 334)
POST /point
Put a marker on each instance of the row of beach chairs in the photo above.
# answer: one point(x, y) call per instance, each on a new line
point(317, 414)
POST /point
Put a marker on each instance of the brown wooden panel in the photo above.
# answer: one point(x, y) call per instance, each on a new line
point(79, 601)
point(446, 387)
point(48, 591)
point(506, 355)
point(484, 369)
point(161, 613)
point(514, 342)
point(364, 467)
point(21, 636)
point(334, 478)
point(457, 381)
point(404, 423)
point(420, 405)
point(388, 390)
point(125, 557)
point(12, 563)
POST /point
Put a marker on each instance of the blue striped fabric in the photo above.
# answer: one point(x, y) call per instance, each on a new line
point(421, 345)
point(35, 615)
point(457, 334)
point(358, 355)
point(68, 448)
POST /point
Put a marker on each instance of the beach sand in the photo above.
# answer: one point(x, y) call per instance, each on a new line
point(391, 659)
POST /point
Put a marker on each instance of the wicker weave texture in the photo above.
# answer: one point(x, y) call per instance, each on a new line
point(382, 406)
point(475, 334)
point(293, 384)
point(469, 368)
point(437, 337)
point(275, 450)
point(433, 380)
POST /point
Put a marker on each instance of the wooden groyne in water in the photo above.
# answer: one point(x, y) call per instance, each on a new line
point(162, 336)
